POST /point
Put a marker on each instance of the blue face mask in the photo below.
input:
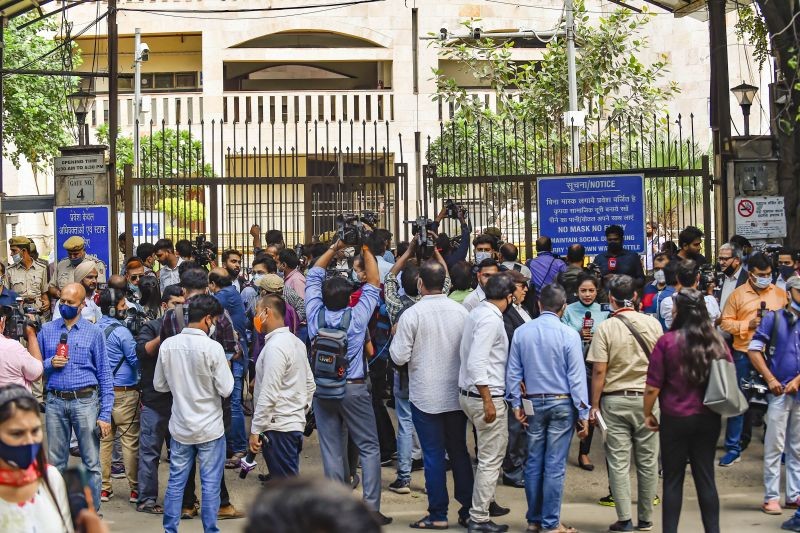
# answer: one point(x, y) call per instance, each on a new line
point(19, 456)
point(796, 306)
point(67, 311)
point(75, 262)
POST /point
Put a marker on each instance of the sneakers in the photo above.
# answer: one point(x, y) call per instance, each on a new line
point(134, 497)
point(793, 524)
point(771, 507)
point(400, 487)
point(117, 470)
point(644, 526)
point(606, 501)
point(106, 495)
point(619, 525)
point(729, 459)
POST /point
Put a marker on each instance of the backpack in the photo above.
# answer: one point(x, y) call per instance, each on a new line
point(380, 331)
point(329, 357)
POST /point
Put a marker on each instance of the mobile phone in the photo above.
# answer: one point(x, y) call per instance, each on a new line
point(79, 494)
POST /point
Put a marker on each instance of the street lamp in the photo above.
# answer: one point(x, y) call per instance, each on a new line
point(81, 103)
point(745, 94)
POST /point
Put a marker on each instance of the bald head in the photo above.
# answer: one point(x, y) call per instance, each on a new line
point(432, 274)
point(73, 294)
point(218, 279)
point(118, 282)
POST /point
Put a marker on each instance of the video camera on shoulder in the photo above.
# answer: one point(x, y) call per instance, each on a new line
point(420, 228)
point(17, 317)
point(708, 276)
point(453, 209)
point(352, 229)
point(135, 320)
point(203, 251)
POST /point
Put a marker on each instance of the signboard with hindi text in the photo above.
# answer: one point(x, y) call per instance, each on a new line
point(578, 209)
point(89, 222)
point(760, 217)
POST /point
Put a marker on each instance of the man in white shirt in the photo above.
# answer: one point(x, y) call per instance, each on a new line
point(194, 369)
point(168, 273)
point(425, 341)
point(283, 391)
point(652, 246)
point(688, 276)
point(510, 256)
point(730, 262)
point(485, 269)
point(481, 383)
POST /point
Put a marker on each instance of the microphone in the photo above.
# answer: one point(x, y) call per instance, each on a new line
point(762, 310)
point(588, 321)
point(62, 349)
point(248, 462)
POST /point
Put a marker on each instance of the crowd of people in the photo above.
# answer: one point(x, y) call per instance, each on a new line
point(207, 363)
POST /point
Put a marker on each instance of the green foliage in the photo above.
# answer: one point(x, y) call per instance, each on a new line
point(182, 211)
point(36, 116)
point(751, 28)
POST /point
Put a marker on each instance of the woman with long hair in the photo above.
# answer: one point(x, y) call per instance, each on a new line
point(151, 297)
point(677, 377)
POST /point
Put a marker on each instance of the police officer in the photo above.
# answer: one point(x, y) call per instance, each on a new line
point(26, 276)
point(65, 270)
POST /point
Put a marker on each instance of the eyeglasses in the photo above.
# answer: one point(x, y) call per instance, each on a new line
point(725, 259)
point(135, 277)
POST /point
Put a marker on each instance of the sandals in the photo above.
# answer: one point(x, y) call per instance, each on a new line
point(427, 523)
point(150, 509)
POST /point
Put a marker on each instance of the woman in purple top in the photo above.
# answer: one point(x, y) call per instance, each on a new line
point(677, 377)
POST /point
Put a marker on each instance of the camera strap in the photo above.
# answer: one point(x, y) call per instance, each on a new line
point(107, 333)
point(771, 345)
point(636, 335)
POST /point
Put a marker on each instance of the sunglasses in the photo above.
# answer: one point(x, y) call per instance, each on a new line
point(135, 277)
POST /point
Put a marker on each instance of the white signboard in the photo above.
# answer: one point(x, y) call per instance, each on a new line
point(74, 165)
point(760, 217)
point(81, 190)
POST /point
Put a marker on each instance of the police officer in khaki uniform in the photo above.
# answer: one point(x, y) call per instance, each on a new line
point(65, 269)
point(26, 276)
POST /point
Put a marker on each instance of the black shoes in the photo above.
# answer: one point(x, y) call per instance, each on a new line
point(507, 481)
point(497, 510)
point(489, 527)
point(382, 519)
point(416, 464)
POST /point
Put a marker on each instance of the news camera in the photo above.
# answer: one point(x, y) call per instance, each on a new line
point(203, 251)
point(425, 244)
point(18, 317)
point(135, 320)
point(708, 276)
point(453, 210)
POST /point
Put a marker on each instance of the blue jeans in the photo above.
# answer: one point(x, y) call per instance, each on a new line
point(212, 466)
point(549, 434)
point(154, 428)
point(282, 455)
point(405, 437)
point(440, 433)
point(735, 424)
point(236, 434)
point(62, 417)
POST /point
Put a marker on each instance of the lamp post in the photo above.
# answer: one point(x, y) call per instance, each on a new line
point(745, 94)
point(81, 103)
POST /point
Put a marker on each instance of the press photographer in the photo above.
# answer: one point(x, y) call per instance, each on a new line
point(19, 366)
point(424, 231)
point(455, 249)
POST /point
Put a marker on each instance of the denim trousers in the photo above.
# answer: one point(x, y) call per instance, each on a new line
point(407, 442)
point(236, 435)
point(211, 456)
point(154, 428)
point(62, 417)
point(282, 454)
point(440, 434)
point(516, 450)
point(783, 430)
point(549, 433)
point(735, 424)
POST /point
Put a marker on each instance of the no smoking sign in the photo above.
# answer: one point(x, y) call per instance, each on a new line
point(745, 208)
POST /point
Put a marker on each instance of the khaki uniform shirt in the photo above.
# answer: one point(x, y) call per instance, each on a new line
point(28, 283)
point(614, 344)
point(65, 272)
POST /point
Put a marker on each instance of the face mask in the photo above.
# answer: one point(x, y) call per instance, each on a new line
point(762, 283)
point(19, 456)
point(615, 247)
point(75, 262)
point(786, 272)
point(16, 258)
point(68, 312)
point(729, 270)
point(212, 329)
point(258, 323)
point(257, 277)
point(480, 256)
point(133, 288)
point(796, 306)
point(660, 277)
point(280, 273)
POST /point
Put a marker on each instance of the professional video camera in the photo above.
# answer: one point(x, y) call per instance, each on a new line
point(453, 210)
point(420, 228)
point(18, 317)
point(135, 320)
point(708, 276)
point(755, 390)
point(203, 251)
point(351, 229)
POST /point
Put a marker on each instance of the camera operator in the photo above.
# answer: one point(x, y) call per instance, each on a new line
point(18, 365)
point(165, 254)
point(443, 243)
point(121, 351)
point(688, 276)
point(26, 277)
point(184, 249)
point(354, 411)
point(156, 406)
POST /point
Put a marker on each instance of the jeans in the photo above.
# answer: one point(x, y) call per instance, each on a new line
point(517, 449)
point(236, 434)
point(735, 425)
point(351, 415)
point(406, 438)
point(383, 423)
point(78, 415)
point(154, 427)
point(282, 454)
point(439, 434)
point(783, 429)
point(212, 463)
point(549, 434)
point(189, 496)
point(125, 418)
point(693, 437)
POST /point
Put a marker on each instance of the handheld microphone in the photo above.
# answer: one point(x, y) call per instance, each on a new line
point(762, 310)
point(62, 350)
point(248, 462)
point(588, 321)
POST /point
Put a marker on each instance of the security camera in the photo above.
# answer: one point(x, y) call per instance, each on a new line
point(144, 52)
point(443, 34)
point(476, 33)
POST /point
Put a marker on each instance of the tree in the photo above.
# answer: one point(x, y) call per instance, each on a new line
point(37, 120)
point(774, 29)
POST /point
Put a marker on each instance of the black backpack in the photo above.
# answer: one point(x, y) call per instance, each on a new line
point(329, 357)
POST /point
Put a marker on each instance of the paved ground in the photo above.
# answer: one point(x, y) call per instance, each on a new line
point(739, 486)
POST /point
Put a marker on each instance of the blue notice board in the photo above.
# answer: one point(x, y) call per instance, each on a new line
point(578, 209)
point(89, 222)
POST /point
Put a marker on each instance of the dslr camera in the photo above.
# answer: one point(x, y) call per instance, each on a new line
point(352, 229)
point(203, 251)
point(453, 210)
point(420, 228)
point(135, 320)
point(18, 317)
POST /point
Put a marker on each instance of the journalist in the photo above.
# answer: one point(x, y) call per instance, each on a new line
point(18, 366)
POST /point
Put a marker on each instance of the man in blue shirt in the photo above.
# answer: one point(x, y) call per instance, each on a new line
point(547, 357)
point(121, 350)
point(775, 354)
point(221, 285)
point(545, 267)
point(353, 412)
point(80, 393)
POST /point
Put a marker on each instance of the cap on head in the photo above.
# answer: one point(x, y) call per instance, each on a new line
point(271, 283)
point(20, 242)
point(74, 244)
point(793, 283)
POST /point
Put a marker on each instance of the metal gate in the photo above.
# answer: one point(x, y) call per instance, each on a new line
point(491, 167)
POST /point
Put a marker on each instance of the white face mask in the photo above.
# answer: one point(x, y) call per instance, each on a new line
point(211, 330)
point(660, 277)
point(762, 282)
point(16, 258)
point(480, 256)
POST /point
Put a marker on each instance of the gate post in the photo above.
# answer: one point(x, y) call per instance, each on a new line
point(400, 184)
point(127, 187)
point(707, 210)
point(527, 194)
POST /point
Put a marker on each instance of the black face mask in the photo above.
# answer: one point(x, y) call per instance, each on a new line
point(786, 271)
point(615, 247)
point(729, 271)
